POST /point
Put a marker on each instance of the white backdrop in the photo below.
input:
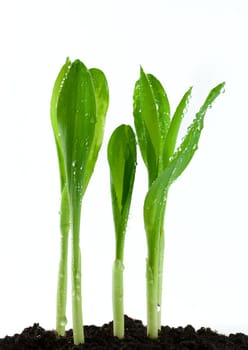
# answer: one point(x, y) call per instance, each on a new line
point(183, 43)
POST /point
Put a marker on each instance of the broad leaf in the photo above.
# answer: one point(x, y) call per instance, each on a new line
point(163, 111)
point(122, 163)
point(76, 114)
point(151, 118)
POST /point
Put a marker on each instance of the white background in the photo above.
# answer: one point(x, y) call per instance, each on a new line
point(183, 43)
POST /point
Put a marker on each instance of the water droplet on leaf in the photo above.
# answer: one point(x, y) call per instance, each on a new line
point(158, 308)
point(63, 322)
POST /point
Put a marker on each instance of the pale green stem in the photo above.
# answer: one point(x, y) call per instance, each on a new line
point(77, 317)
point(160, 270)
point(160, 277)
point(62, 278)
point(117, 298)
point(152, 298)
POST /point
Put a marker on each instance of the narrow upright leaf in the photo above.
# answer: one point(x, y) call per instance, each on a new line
point(171, 138)
point(102, 101)
point(122, 163)
point(53, 113)
point(189, 145)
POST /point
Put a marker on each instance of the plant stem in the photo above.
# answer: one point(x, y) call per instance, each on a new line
point(77, 317)
point(152, 298)
point(161, 267)
point(117, 298)
point(160, 276)
point(62, 278)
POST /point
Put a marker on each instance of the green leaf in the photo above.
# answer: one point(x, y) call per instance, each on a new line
point(102, 101)
point(154, 207)
point(152, 119)
point(76, 113)
point(171, 138)
point(161, 104)
point(189, 145)
point(163, 110)
point(53, 112)
point(101, 93)
point(122, 163)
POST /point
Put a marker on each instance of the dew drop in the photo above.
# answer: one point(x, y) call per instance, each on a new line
point(158, 308)
point(63, 322)
point(78, 277)
point(61, 275)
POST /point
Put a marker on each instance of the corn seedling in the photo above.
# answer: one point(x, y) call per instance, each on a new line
point(157, 135)
point(78, 110)
point(122, 164)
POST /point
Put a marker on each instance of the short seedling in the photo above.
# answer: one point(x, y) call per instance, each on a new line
point(78, 110)
point(157, 135)
point(122, 163)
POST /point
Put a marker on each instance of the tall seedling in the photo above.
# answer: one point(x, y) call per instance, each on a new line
point(122, 163)
point(157, 134)
point(78, 110)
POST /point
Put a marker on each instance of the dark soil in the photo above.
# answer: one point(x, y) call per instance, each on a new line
point(101, 338)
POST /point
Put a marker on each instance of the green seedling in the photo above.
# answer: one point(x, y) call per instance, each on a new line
point(78, 110)
point(157, 135)
point(122, 163)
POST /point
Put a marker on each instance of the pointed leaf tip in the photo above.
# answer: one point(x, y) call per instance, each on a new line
point(141, 70)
